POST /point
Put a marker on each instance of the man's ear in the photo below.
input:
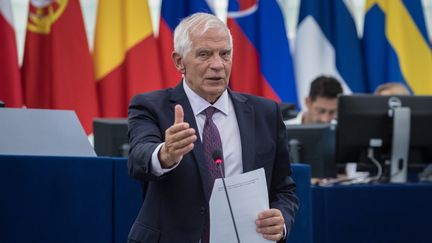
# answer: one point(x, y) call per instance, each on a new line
point(178, 62)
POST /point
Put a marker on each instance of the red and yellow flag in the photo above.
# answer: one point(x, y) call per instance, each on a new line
point(57, 68)
point(125, 54)
point(10, 80)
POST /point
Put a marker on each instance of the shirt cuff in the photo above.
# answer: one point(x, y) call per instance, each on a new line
point(156, 168)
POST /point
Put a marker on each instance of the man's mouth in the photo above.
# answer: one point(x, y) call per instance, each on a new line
point(215, 78)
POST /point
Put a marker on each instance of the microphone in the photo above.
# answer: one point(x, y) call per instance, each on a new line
point(217, 157)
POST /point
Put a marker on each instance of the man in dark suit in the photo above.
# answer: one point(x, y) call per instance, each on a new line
point(173, 132)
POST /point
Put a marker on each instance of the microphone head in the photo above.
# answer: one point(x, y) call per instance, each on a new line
point(217, 156)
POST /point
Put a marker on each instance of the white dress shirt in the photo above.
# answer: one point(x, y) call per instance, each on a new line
point(298, 120)
point(226, 122)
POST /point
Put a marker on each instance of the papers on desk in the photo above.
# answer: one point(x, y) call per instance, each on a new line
point(248, 196)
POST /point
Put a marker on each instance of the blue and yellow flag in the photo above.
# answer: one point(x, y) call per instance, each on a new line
point(396, 45)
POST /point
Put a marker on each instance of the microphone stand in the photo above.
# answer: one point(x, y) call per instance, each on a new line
point(219, 162)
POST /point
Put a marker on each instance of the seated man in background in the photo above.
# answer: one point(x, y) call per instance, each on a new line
point(392, 88)
point(321, 103)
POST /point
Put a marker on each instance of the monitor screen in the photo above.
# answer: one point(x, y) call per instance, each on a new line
point(111, 137)
point(363, 119)
point(313, 144)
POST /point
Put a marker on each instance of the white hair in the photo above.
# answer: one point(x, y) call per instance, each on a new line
point(198, 23)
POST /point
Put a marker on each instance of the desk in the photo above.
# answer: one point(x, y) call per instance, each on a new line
point(55, 199)
point(46, 199)
point(373, 213)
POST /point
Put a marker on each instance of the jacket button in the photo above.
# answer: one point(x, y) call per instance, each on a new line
point(202, 210)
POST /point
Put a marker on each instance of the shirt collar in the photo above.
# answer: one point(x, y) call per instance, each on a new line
point(199, 104)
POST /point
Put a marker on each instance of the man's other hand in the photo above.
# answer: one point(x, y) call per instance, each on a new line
point(270, 224)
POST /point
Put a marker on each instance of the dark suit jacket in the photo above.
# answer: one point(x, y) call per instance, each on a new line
point(176, 203)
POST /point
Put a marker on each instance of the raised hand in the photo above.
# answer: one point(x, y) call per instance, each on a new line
point(179, 140)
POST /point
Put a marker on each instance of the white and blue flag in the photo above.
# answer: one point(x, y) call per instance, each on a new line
point(327, 44)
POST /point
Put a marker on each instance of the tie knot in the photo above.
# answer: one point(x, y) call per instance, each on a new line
point(209, 111)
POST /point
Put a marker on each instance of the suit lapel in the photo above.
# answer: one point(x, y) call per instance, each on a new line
point(246, 122)
point(179, 97)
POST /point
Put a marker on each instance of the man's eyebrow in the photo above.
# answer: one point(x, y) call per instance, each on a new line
point(203, 49)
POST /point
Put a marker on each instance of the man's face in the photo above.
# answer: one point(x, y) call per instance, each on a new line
point(322, 110)
point(207, 67)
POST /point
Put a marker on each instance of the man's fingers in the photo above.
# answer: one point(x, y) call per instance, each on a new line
point(178, 114)
point(270, 223)
point(273, 237)
point(273, 212)
point(182, 134)
point(179, 140)
point(275, 229)
point(186, 149)
point(177, 128)
point(185, 140)
point(175, 155)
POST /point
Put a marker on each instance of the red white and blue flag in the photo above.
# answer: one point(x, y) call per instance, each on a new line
point(173, 11)
point(262, 63)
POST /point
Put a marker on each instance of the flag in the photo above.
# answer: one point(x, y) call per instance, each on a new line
point(10, 79)
point(125, 55)
point(262, 63)
point(57, 68)
point(396, 45)
point(172, 12)
point(327, 43)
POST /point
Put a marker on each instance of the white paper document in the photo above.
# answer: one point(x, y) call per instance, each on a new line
point(248, 196)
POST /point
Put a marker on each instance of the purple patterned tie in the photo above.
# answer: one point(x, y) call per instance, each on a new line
point(211, 142)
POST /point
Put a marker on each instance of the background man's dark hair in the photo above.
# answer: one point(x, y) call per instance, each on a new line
point(326, 87)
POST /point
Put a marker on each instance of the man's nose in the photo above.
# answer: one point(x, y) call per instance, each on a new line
point(326, 118)
point(216, 62)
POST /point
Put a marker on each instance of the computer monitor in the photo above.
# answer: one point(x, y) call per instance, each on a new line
point(111, 137)
point(396, 129)
point(313, 144)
